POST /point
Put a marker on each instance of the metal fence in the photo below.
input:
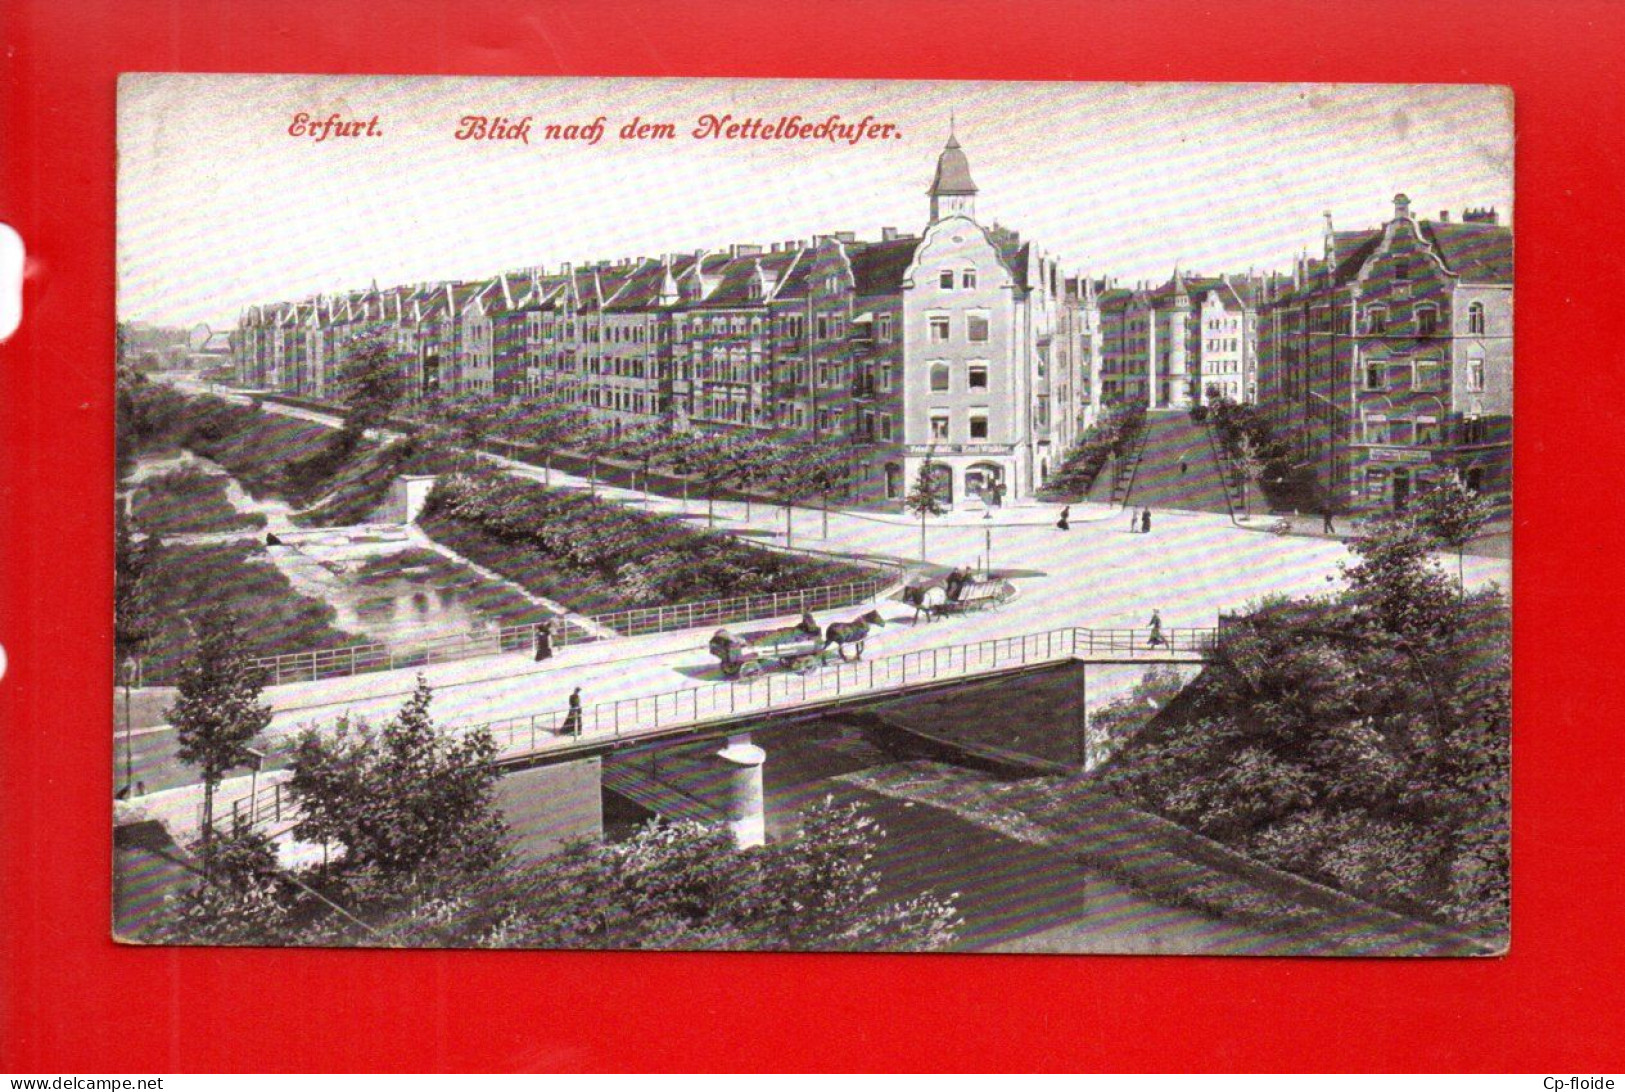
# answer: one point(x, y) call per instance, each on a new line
point(266, 805)
point(835, 681)
point(360, 659)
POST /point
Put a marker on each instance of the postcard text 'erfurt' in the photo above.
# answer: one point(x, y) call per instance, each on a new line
point(332, 127)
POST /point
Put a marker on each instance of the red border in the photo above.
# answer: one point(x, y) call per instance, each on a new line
point(72, 1001)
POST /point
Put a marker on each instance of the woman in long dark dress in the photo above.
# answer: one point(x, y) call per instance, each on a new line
point(572, 719)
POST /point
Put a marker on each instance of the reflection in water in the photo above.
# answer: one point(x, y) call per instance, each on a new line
point(378, 585)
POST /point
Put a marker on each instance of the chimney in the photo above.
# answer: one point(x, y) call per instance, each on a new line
point(1444, 216)
point(1480, 216)
point(888, 234)
point(846, 237)
point(1402, 207)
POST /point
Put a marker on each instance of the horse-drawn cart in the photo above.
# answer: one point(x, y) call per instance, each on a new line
point(957, 593)
point(746, 654)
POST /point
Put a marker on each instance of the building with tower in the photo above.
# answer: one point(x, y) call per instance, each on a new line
point(1387, 361)
point(948, 346)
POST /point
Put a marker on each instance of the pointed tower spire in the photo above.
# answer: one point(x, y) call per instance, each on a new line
point(952, 192)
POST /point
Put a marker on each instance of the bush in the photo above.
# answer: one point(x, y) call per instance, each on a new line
point(1114, 433)
point(1360, 741)
point(591, 553)
point(189, 500)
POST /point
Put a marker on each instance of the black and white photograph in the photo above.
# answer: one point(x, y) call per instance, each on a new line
point(809, 515)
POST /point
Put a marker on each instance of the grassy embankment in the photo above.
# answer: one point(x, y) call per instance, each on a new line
point(276, 619)
point(596, 556)
point(189, 500)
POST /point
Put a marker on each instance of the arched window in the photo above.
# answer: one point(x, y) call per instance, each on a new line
point(1427, 320)
point(1475, 319)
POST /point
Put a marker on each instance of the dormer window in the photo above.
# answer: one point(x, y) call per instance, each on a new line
point(1402, 269)
point(945, 280)
point(967, 278)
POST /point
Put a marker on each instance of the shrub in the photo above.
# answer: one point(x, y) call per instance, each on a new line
point(639, 558)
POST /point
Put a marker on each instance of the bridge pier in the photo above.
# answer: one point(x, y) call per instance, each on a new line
point(747, 821)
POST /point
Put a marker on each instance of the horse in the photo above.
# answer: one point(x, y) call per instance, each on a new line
point(855, 632)
point(925, 598)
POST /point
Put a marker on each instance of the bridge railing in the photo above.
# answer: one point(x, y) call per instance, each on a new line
point(517, 737)
point(361, 659)
point(777, 690)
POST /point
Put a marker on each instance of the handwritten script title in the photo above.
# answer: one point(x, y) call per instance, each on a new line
point(828, 129)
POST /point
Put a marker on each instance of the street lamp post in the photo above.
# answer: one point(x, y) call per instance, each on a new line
point(130, 668)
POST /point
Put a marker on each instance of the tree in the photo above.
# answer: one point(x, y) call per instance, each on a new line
point(1251, 465)
point(751, 458)
point(684, 885)
point(1453, 514)
point(372, 383)
point(710, 459)
point(928, 497)
point(643, 445)
point(595, 440)
point(1114, 723)
point(548, 426)
point(217, 711)
point(405, 803)
point(827, 467)
point(135, 568)
point(467, 418)
point(792, 475)
point(1395, 583)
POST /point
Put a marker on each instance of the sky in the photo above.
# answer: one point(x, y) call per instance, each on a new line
point(219, 207)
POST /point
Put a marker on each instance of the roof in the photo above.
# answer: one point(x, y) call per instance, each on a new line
point(878, 268)
point(953, 171)
point(1480, 253)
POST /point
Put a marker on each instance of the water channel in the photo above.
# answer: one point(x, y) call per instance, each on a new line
point(1013, 895)
point(384, 582)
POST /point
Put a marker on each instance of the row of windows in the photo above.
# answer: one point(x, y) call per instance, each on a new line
point(946, 279)
point(941, 327)
point(942, 376)
point(942, 420)
point(1420, 375)
point(1421, 431)
point(1427, 319)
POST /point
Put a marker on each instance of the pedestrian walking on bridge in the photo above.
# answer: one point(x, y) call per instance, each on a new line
point(1156, 637)
point(572, 719)
point(1145, 522)
point(544, 640)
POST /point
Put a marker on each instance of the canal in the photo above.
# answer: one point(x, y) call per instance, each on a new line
point(1014, 895)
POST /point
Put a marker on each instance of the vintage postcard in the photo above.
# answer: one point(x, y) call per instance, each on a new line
point(813, 515)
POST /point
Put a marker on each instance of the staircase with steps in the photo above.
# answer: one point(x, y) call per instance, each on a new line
point(1171, 439)
point(1123, 473)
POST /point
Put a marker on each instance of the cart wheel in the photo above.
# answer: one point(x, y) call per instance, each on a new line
point(750, 669)
point(730, 671)
point(802, 664)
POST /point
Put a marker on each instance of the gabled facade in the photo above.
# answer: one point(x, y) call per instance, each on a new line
point(961, 345)
point(1388, 361)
